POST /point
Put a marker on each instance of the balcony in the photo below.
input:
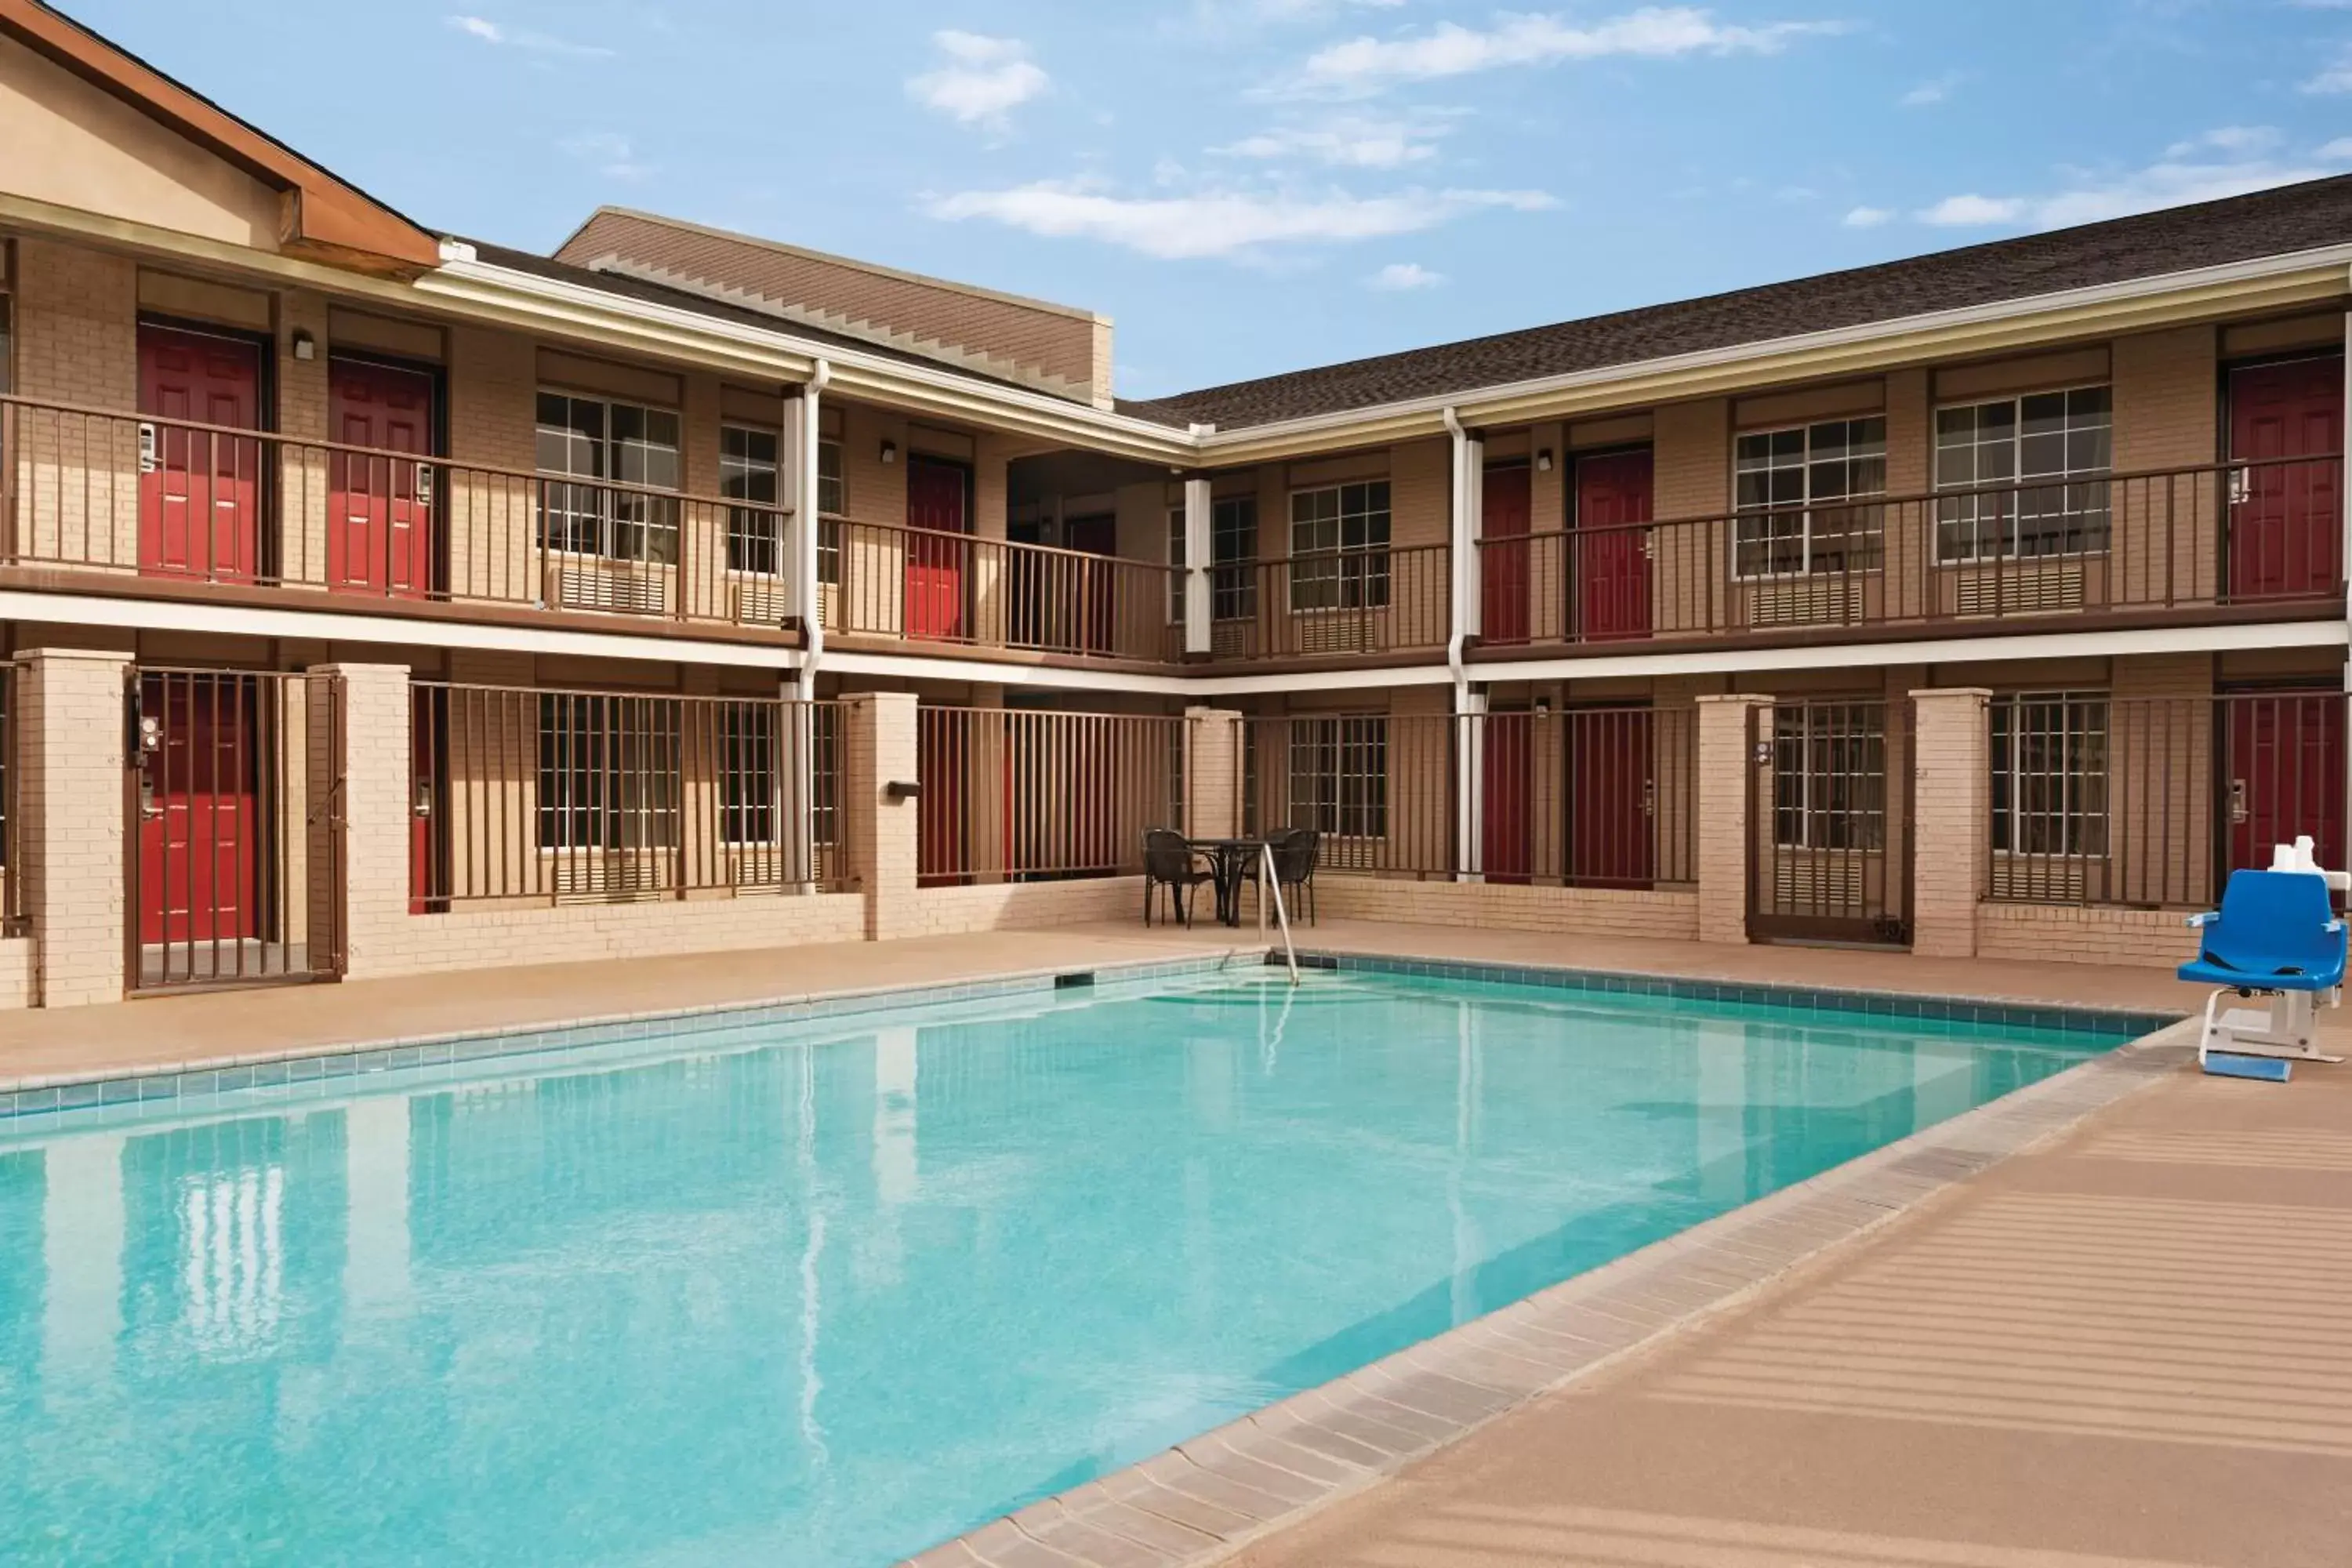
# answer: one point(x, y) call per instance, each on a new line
point(163, 504)
point(886, 582)
point(2246, 541)
point(1332, 603)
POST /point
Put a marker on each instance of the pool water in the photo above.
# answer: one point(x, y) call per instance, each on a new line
point(830, 1294)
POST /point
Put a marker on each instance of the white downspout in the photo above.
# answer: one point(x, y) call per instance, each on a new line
point(810, 596)
point(1460, 508)
point(1470, 737)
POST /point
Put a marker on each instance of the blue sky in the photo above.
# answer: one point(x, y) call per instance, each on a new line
point(1255, 185)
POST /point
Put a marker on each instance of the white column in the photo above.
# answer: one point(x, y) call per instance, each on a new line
point(81, 1254)
point(1468, 600)
point(375, 1195)
point(1470, 782)
point(1200, 546)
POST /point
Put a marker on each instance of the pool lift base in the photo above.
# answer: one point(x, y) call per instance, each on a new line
point(1269, 883)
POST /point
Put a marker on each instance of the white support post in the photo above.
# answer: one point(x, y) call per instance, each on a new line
point(803, 596)
point(1469, 599)
point(1470, 782)
point(1199, 546)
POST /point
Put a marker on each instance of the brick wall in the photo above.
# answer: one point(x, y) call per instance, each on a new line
point(1722, 811)
point(1949, 802)
point(2066, 933)
point(1023, 906)
point(1571, 912)
point(70, 830)
point(579, 933)
point(77, 325)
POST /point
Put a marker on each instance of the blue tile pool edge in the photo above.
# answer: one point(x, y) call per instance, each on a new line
point(200, 1080)
point(1320, 1446)
point(2066, 1017)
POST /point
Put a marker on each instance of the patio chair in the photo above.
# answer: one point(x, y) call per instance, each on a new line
point(1170, 862)
point(2275, 936)
point(1296, 853)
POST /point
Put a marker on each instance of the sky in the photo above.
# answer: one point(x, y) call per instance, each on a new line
point(1250, 186)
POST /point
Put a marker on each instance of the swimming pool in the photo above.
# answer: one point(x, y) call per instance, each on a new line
point(829, 1293)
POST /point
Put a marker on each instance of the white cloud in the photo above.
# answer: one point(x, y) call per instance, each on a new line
point(2168, 183)
point(982, 81)
point(1221, 223)
point(1451, 49)
point(2336, 152)
point(1867, 217)
point(609, 153)
point(502, 37)
point(2335, 76)
point(1934, 90)
point(1351, 142)
point(1402, 276)
point(2238, 141)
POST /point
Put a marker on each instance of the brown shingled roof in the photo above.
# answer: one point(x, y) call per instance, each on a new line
point(2269, 223)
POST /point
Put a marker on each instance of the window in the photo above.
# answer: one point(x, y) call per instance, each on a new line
point(1785, 477)
point(589, 439)
point(1829, 777)
point(747, 472)
point(608, 773)
point(2050, 773)
point(1339, 547)
point(1340, 776)
point(747, 772)
point(2046, 456)
point(831, 500)
point(1233, 551)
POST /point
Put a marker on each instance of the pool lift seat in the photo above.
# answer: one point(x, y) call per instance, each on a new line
point(2275, 936)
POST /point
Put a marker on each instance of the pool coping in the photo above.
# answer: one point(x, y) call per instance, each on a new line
point(1205, 1499)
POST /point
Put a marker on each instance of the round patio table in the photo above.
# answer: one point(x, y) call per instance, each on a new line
point(1229, 858)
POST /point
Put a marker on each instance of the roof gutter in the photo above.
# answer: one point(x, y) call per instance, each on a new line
point(805, 540)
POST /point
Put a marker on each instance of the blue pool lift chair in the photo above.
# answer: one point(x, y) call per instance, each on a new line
point(2275, 936)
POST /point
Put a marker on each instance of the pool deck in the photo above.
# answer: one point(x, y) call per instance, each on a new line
point(2104, 1322)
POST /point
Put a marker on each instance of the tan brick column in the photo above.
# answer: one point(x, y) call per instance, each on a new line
point(881, 830)
point(1212, 770)
point(375, 764)
point(1726, 765)
point(70, 782)
point(1951, 819)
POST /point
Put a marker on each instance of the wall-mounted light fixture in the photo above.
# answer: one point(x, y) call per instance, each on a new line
point(1543, 461)
point(1543, 707)
point(305, 345)
point(902, 789)
point(890, 453)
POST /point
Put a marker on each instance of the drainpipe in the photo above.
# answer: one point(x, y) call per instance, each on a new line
point(805, 503)
point(1460, 508)
point(1468, 737)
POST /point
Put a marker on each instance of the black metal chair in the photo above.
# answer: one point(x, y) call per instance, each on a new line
point(1297, 852)
point(1169, 862)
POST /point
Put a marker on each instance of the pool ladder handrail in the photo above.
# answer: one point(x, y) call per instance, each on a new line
point(1272, 883)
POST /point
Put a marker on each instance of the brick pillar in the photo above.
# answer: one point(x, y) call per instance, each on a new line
point(71, 783)
point(881, 830)
point(1725, 767)
point(1212, 773)
point(1951, 819)
point(374, 760)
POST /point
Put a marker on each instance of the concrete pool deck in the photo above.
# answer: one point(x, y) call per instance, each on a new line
point(2104, 1322)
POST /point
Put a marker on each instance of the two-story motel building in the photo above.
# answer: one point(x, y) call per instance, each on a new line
point(377, 601)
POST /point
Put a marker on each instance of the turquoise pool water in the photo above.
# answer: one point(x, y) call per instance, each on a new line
point(831, 1294)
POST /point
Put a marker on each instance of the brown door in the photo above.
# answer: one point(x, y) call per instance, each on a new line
point(2285, 516)
point(199, 488)
point(1507, 847)
point(1503, 523)
point(379, 508)
point(1610, 585)
point(937, 519)
point(2285, 774)
point(1611, 799)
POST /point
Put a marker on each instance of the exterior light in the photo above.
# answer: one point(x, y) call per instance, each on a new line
point(305, 345)
point(890, 453)
point(1543, 461)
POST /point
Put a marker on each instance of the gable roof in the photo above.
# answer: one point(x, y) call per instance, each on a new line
point(2279, 222)
point(322, 215)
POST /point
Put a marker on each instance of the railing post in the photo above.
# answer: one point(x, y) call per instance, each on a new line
point(1469, 726)
point(1951, 818)
point(1726, 769)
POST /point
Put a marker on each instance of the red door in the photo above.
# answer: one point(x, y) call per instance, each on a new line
point(1507, 849)
point(1611, 800)
point(2285, 774)
point(1097, 603)
point(1612, 576)
point(939, 518)
point(199, 490)
point(2285, 517)
point(379, 509)
point(200, 811)
point(1503, 557)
